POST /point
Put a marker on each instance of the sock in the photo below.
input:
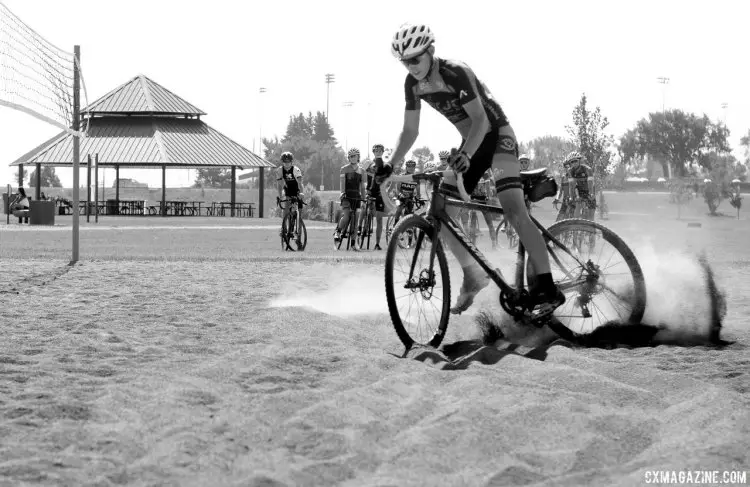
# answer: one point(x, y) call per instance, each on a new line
point(545, 282)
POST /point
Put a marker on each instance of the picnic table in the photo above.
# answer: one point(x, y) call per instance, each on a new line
point(183, 207)
point(219, 208)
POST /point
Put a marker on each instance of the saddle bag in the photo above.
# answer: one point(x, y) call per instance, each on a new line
point(537, 185)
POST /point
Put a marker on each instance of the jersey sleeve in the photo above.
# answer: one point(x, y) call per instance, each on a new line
point(412, 100)
point(463, 81)
point(279, 174)
point(297, 172)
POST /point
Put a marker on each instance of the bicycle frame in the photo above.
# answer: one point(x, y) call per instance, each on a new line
point(439, 217)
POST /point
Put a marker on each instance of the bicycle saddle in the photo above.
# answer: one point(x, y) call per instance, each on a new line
point(533, 174)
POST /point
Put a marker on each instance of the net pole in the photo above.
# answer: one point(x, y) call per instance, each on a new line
point(96, 187)
point(76, 148)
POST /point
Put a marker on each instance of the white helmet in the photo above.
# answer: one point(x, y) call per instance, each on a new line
point(411, 40)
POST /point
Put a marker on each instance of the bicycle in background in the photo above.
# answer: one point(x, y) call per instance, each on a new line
point(293, 231)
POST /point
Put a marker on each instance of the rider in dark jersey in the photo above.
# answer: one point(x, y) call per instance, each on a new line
point(581, 179)
point(452, 88)
point(376, 168)
point(352, 185)
point(406, 192)
point(289, 182)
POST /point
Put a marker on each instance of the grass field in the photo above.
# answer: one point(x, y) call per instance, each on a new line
point(192, 351)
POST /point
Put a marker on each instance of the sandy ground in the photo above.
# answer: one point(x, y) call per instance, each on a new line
point(248, 368)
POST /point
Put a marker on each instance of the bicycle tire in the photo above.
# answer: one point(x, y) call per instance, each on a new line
point(569, 328)
point(303, 235)
point(473, 227)
point(389, 228)
point(366, 231)
point(416, 224)
point(286, 224)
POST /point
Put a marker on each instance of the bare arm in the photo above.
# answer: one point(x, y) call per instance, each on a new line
point(408, 136)
point(341, 183)
point(480, 124)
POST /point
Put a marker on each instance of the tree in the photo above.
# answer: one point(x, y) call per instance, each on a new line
point(588, 136)
point(48, 178)
point(322, 131)
point(547, 151)
point(422, 155)
point(300, 126)
point(745, 144)
point(676, 139)
point(213, 177)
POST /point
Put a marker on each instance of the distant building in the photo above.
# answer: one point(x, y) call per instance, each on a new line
point(129, 183)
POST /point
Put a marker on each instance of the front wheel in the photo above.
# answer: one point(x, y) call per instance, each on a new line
point(600, 276)
point(504, 232)
point(291, 238)
point(417, 290)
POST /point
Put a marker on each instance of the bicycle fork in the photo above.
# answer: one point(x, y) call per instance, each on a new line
point(427, 281)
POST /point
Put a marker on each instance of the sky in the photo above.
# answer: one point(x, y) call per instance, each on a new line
point(536, 57)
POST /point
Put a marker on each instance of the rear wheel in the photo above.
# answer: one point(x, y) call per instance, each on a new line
point(599, 275)
point(418, 297)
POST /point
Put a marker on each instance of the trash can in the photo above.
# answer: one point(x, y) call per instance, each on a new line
point(6, 202)
point(112, 207)
point(42, 212)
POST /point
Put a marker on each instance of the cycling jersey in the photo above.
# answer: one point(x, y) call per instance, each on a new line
point(289, 176)
point(375, 169)
point(353, 177)
point(407, 189)
point(449, 86)
point(580, 176)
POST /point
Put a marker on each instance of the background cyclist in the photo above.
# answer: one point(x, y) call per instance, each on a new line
point(289, 182)
point(352, 186)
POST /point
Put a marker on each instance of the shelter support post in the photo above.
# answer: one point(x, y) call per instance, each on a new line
point(233, 193)
point(261, 191)
point(38, 192)
point(163, 190)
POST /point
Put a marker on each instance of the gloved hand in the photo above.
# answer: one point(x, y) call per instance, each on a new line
point(459, 161)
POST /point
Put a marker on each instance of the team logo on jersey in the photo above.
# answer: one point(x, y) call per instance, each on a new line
point(462, 94)
point(507, 144)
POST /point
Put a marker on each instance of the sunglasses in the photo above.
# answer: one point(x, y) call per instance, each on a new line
point(413, 61)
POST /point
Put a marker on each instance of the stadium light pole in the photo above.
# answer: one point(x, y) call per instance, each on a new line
point(261, 90)
point(347, 104)
point(330, 78)
point(664, 81)
point(368, 125)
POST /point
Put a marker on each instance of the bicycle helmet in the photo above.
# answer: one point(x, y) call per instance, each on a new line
point(287, 157)
point(353, 152)
point(524, 157)
point(572, 157)
point(411, 162)
point(411, 40)
point(443, 154)
point(378, 147)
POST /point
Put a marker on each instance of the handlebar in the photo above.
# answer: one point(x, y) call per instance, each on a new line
point(291, 199)
point(434, 177)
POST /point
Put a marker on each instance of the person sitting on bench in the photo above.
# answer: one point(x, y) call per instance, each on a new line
point(20, 206)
